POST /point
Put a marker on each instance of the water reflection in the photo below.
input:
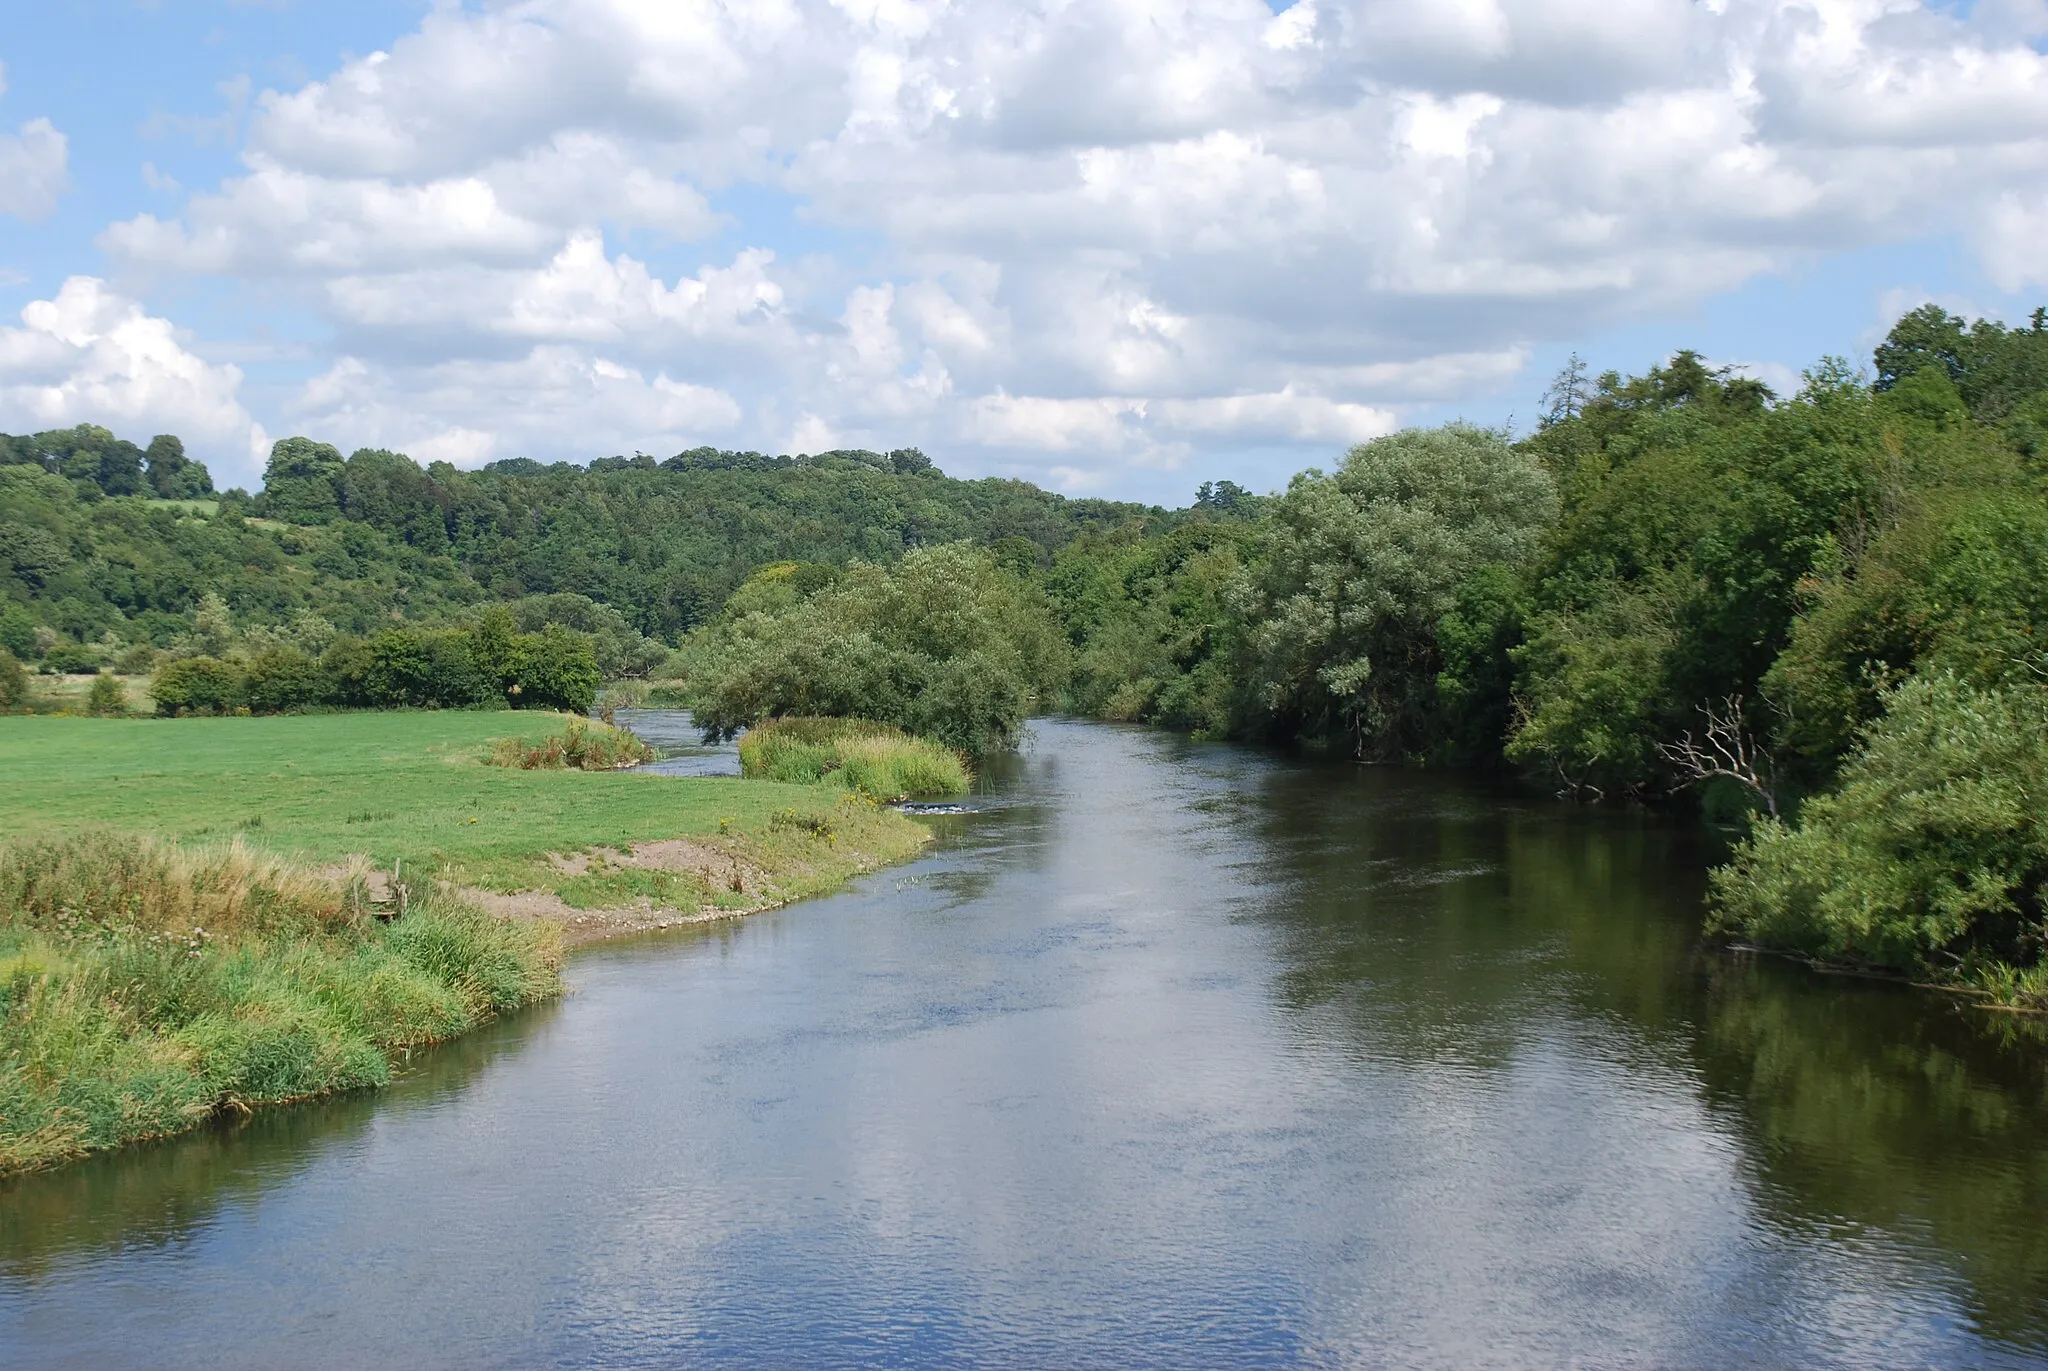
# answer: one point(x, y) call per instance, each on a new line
point(1171, 1055)
point(158, 1195)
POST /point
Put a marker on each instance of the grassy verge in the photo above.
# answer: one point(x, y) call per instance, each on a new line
point(412, 788)
point(145, 988)
point(871, 759)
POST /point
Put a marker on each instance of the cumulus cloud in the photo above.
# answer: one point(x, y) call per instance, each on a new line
point(34, 166)
point(2011, 240)
point(552, 400)
point(91, 355)
point(1126, 231)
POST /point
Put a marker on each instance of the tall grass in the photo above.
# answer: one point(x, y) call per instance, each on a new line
point(869, 758)
point(581, 745)
point(145, 988)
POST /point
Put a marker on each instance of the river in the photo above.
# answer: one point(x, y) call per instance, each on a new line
point(1171, 1055)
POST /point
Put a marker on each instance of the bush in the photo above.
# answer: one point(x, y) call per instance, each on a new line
point(872, 759)
point(581, 746)
point(946, 643)
point(282, 679)
point(13, 683)
point(1932, 854)
point(70, 659)
point(553, 669)
point(107, 696)
point(199, 685)
point(144, 988)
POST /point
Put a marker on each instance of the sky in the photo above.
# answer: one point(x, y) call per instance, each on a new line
point(1116, 247)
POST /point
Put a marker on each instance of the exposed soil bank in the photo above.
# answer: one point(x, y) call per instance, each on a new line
point(735, 883)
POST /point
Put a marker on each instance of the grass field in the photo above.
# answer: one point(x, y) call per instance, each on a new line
point(413, 787)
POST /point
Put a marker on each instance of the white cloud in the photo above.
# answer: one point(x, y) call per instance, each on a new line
point(34, 167)
point(1127, 231)
point(550, 401)
point(2011, 241)
point(92, 356)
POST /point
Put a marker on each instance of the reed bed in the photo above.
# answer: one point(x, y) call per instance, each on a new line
point(580, 745)
point(876, 760)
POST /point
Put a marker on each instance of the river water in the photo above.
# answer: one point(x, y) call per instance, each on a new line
point(1170, 1055)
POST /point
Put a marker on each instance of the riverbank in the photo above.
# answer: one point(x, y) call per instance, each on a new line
point(207, 916)
point(146, 988)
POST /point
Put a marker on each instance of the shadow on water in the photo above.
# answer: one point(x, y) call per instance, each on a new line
point(1445, 922)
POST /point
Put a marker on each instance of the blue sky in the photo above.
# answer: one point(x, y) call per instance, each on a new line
point(1117, 248)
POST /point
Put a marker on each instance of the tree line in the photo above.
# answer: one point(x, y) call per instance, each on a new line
point(1820, 615)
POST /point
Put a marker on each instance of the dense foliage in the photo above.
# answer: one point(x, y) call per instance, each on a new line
point(946, 643)
point(109, 553)
point(401, 668)
point(1834, 605)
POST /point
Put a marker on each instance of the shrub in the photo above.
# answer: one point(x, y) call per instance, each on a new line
point(872, 759)
point(107, 696)
point(199, 685)
point(946, 643)
point(1930, 856)
point(70, 659)
point(13, 682)
point(346, 666)
point(281, 679)
point(554, 669)
point(581, 745)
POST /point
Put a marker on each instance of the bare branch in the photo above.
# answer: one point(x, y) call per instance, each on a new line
point(1724, 750)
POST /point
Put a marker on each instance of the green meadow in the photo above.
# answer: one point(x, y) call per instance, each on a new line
point(411, 788)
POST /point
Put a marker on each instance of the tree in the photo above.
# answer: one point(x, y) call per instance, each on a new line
point(107, 696)
point(1361, 565)
point(1933, 850)
point(172, 475)
point(946, 644)
point(302, 483)
point(1566, 394)
point(198, 685)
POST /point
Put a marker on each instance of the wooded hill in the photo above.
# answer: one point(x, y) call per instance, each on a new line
point(106, 546)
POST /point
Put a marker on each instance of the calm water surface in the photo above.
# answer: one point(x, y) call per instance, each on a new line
point(1172, 1055)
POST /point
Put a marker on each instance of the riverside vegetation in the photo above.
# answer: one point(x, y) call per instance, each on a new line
point(1819, 616)
point(145, 988)
point(323, 892)
point(866, 758)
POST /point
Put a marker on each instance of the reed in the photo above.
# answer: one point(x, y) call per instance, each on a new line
point(145, 988)
point(871, 759)
point(580, 745)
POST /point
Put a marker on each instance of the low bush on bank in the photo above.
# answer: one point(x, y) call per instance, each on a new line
point(873, 759)
point(1930, 858)
point(145, 988)
point(581, 745)
point(461, 668)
